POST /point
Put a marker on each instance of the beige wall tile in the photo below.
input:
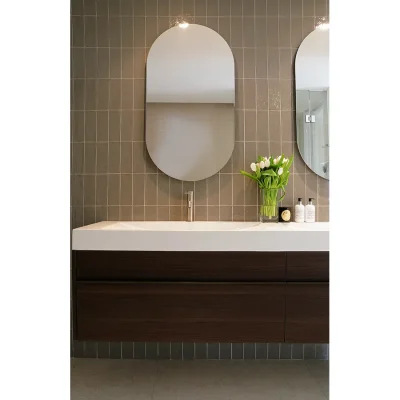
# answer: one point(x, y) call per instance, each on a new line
point(110, 141)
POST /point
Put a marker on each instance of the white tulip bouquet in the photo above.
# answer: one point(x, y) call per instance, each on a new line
point(271, 175)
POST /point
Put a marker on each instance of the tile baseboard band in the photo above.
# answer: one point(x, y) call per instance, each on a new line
point(198, 351)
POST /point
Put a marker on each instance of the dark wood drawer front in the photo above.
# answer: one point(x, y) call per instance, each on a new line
point(180, 312)
point(307, 313)
point(180, 266)
point(308, 266)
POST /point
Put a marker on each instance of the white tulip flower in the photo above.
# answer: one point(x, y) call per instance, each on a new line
point(262, 164)
point(285, 160)
point(275, 160)
point(278, 158)
point(253, 167)
point(280, 171)
point(266, 163)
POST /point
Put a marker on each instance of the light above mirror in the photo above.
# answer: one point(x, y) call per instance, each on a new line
point(183, 25)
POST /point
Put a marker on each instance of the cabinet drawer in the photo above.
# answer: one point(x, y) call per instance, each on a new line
point(308, 266)
point(307, 313)
point(180, 266)
point(207, 312)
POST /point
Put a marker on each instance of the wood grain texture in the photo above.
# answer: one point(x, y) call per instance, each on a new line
point(181, 266)
point(307, 266)
point(208, 312)
point(307, 313)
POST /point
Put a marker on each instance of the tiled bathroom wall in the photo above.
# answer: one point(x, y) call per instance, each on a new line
point(112, 176)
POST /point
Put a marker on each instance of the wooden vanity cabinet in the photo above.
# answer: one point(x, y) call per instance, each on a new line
point(201, 296)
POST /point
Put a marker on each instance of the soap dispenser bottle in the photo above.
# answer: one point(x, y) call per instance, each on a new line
point(310, 211)
point(299, 211)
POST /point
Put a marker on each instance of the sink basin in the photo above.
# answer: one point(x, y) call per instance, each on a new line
point(181, 226)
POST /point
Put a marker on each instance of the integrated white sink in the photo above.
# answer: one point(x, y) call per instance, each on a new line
point(162, 226)
point(201, 236)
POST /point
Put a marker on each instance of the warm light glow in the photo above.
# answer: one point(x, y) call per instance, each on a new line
point(183, 25)
point(323, 26)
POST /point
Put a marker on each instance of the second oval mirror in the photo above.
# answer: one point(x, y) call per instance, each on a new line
point(312, 105)
point(190, 97)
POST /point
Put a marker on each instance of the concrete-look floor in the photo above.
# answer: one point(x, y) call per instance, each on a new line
point(195, 380)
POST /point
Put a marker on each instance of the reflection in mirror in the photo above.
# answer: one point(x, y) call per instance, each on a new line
point(190, 96)
point(312, 101)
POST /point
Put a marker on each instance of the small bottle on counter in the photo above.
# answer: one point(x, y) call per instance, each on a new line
point(299, 211)
point(310, 211)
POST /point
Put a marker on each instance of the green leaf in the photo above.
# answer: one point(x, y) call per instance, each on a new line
point(269, 172)
point(249, 175)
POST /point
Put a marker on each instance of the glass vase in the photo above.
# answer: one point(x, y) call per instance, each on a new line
point(269, 209)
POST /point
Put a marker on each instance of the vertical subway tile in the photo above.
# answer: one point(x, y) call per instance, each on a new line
point(321, 351)
point(127, 64)
point(90, 350)
point(249, 351)
point(139, 7)
point(200, 351)
point(309, 351)
point(297, 351)
point(126, 189)
point(224, 7)
point(79, 348)
point(127, 8)
point(248, 32)
point(114, 29)
point(151, 30)
point(101, 190)
point(213, 351)
point(103, 90)
point(188, 351)
point(272, 31)
point(250, 94)
point(127, 32)
point(103, 36)
point(296, 36)
point(308, 8)
point(176, 351)
point(237, 351)
point(89, 190)
point(225, 213)
point(151, 7)
point(103, 350)
point(213, 195)
point(115, 350)
point(261, 351)
point(200, 213)
point(273, 351)
point(260, 34)
point(236, 7)
point(89, 216)
point(236, 32)
point(151, 350)
point(139, 31)
point(113, 189)
point(138, 190)
point(164, 351)
point(127, 350)
point(113, 213)
point(225, 351)
point(139, 350)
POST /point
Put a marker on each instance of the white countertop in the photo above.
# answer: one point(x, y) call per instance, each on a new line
point(202, 236)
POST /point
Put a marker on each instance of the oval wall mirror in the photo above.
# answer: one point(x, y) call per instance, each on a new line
point(190, 98)
point(312, 100)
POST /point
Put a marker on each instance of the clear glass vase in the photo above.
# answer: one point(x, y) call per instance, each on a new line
point(269, 208)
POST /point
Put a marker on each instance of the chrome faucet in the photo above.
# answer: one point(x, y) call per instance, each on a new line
point(189, 206)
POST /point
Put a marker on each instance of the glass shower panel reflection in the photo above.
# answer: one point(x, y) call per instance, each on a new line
point(312, 110)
